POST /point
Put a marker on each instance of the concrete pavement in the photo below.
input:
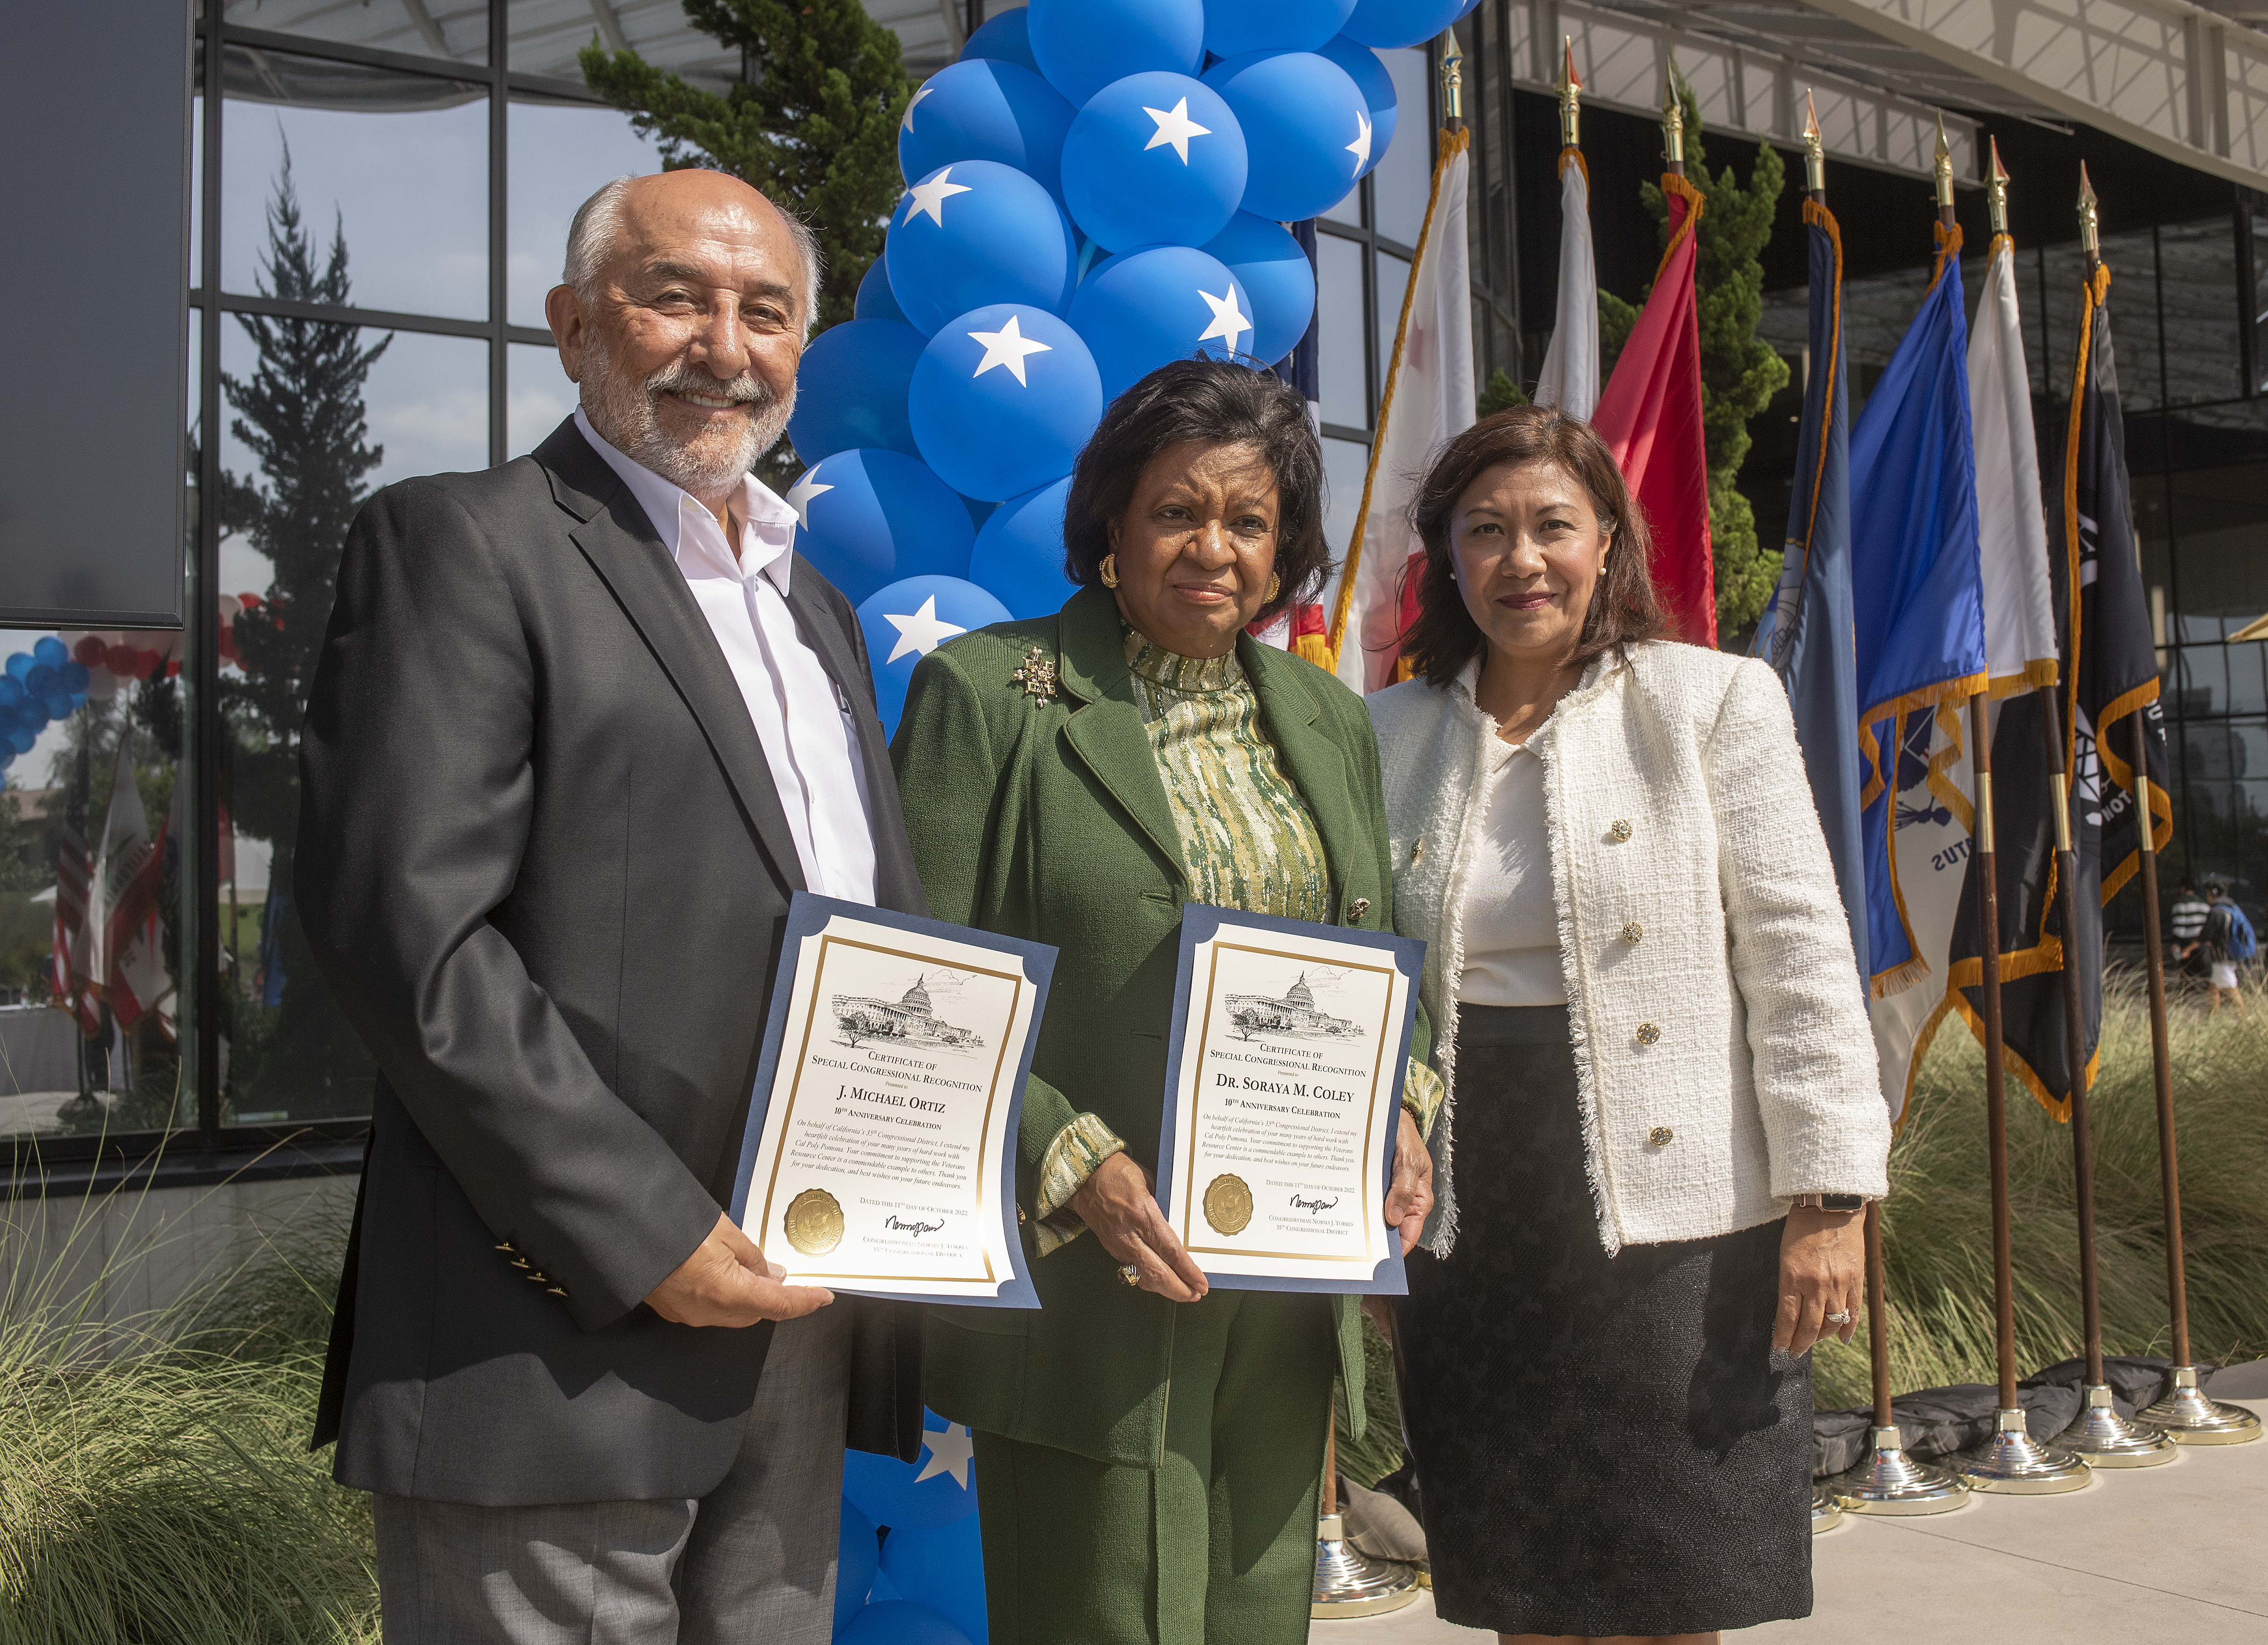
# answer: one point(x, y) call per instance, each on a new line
point(2142, 1555)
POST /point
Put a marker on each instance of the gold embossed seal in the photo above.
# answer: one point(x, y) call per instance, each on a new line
point(1228, 1205)
point(813, 1222)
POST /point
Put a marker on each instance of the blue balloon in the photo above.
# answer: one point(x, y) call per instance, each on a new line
point(1154, 159)
point(1018, 556)
point(1151, 307)
point(41, 679)
point(11, 692)
point(977, 233)
point(942, 1567)
point(75, 677)
point(7, 754)
point(1276, 273)
point(1083, 44)
point(19, 665)
point(1006, 37)
point(51, 652)
point(1002, 399)
point(851, 390)
point(1376, 86)
point(980, 509)
point(26, 731)
point(903, 623)
point(857, 1557)
point(1306, 130)
point(881, 1593)
point(876, 300)
point(898, 1622)
point(986, 110)
point(1232, 27)
point(872, 517)
point(1381, 23)
point(889, 1492)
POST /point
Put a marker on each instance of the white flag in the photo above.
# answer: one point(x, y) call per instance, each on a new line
point(2011, 526)
point(1429, 397)
point(124, 952)
point(1569, 382)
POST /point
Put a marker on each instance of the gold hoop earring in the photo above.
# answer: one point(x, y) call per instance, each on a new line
point(1275, 586)
point(1108, 569)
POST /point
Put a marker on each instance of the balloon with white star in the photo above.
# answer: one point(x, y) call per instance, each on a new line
point(1154, 159)
point(1305, 128)
point(851, 389)
point(1002, 398)
point(870, 518)
point(1018, 556)
point(1275, 274)
point(975, 232)
point(903, 623)
point(1150, 307)
point(1382, 24)
point(876, 300)
point(941, 1567)
point(1084, 45)
point(1371, 78)
point(985, 110)
point(1235, 26)
point(1004, 37)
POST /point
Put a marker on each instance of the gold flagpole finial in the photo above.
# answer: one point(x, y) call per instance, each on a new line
point(2090, 228)
point(1996, 190)
point(1814, 149)
point(1673, 120)
point(1570, 99)
point(1940, 167)
point(1452, 77)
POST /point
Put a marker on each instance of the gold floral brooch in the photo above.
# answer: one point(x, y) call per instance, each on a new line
point(1037, 676)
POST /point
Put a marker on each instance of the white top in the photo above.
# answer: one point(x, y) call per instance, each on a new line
point(1723, 1062)
point(800, 716)
point(1511, 927)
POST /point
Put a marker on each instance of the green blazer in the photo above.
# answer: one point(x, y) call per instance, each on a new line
point(1046, 820)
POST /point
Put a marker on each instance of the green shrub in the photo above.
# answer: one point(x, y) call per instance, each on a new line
point(1938, 1220)
point(155, 1487)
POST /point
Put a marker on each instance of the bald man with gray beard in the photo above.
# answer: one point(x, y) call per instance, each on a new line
point(581, 726)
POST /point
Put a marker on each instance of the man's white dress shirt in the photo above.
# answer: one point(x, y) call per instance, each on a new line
point(800, 718)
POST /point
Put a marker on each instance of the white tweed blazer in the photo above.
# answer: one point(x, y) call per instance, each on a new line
point(1720, 1036)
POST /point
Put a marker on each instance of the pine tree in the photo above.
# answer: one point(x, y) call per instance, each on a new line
point(1740, 372)
point(301, 414)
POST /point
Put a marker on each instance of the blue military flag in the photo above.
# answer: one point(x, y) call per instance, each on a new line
point(1808, 634)
point(1918, 601)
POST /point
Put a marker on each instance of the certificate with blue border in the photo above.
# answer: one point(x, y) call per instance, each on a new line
point(880, 1151)
point(1283, 1101)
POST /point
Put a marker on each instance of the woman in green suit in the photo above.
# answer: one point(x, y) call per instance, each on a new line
point(1149, 1450)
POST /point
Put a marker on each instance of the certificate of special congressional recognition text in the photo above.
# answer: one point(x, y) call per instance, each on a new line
point(881, 1150)
point(1283, 1100)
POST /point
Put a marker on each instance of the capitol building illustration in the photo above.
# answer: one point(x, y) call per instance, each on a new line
point(909, 1018)
point(1294, 1013)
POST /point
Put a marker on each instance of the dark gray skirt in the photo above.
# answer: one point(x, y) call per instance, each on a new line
point(1604, 1445)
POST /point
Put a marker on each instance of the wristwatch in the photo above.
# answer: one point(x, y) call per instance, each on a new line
point(1827, 1202)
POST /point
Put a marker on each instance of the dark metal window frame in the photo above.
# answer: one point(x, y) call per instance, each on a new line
point(208, 1151)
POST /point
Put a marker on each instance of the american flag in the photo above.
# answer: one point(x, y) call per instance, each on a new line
point(71, 989)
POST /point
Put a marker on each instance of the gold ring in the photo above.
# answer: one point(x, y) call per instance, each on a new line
point(1129, 1273)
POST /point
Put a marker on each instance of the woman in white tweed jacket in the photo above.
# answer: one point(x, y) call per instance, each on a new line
point(1662, 1115)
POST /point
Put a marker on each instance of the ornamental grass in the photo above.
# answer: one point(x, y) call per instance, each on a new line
point(155, 1482)
point(1938, 1222)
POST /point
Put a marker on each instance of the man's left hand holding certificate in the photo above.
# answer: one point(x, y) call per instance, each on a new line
point(879, 1155)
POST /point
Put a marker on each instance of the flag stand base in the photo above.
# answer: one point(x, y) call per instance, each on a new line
point(2014, 1463)
point(1348, 1585)
point(1826, 1512)
point(1888, 1481)
point(2108, 1440)
point(2190, 1418)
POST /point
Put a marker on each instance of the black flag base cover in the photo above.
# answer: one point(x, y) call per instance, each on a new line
point(2110, 670)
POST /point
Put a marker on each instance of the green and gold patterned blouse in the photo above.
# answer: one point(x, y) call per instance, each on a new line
point(1247, 842)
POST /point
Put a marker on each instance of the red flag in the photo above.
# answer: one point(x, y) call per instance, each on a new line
point(1650, 418)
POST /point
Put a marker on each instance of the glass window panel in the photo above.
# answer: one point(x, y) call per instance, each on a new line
point(558, 155)
point(2203, 673)
point(412, 403)
point(455, 30)
point(1344, 381)
point(543, 37)
point(1404, 177)
point(539, 396)
point(394, 165)
point(2198, 265)
point(1348, 211)
point(1345, 463)
point(2247, 684)
point(1392, 285)
point(2218, 487)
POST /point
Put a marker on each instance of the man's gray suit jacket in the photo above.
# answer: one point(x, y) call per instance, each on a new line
point(542, 865)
